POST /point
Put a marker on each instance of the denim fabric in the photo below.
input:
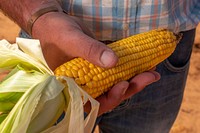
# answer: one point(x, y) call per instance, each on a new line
point(154, 109)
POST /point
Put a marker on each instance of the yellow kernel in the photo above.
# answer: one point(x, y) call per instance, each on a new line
point(100, 69)
point(104, 74)
point(91, 84)
point(90, 75)
point(68, 73)
point(81, 73)
point(82, 64)
point(62, 68)
point(82, 80)
point(95, 78)
point(91, 65)
point(87, 78)
point(85, 69)
point(75, 67)
point(92, 72)
point(100, 77)
point(67, 66)
point(86, 62)
point(96, 71)
point(77, 80)
point(107, 81)
point(74, 72)
point(79, 65)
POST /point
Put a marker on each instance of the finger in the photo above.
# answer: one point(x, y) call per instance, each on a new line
point(113, 97)
point(140, 81)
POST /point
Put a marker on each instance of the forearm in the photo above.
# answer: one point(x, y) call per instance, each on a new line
point(21, 11)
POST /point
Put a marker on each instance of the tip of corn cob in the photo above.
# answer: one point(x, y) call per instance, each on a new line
point(136, 54)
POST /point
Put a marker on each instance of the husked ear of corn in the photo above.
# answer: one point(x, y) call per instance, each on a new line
point(136, 54)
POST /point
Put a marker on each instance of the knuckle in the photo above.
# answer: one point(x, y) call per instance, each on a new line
point(92, 51)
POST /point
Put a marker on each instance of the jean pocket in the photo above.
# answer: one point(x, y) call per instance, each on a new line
point(171, 67)
point(179, 60)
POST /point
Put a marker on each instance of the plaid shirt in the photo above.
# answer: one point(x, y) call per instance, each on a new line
point(116, 19)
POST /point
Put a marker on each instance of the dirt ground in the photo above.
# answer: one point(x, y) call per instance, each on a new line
point(188, 120)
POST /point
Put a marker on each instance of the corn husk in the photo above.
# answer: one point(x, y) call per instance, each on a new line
point(30, 94)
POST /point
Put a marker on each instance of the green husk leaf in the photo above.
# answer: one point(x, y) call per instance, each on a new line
point(19, 80)
point(11, 56)
point(29, 75)
point(6, 106)
point(3, 116)
point(15, 84)
point(10, 96)
point(20, 116)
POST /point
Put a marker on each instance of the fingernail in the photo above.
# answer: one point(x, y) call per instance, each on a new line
point(124, 91)
point(157, 75)
point(107, 58)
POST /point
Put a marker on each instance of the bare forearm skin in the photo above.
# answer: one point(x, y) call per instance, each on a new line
point(20, 11)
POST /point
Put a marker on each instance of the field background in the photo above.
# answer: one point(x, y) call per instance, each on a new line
point(188, 120)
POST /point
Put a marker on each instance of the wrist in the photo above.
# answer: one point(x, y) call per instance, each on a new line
point(33, 18)
point(45, 7)
point(20, 11)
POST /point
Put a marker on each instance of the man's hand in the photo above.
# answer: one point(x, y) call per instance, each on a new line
point(63, 37)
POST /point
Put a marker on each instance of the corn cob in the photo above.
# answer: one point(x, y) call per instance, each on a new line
point(136, 54)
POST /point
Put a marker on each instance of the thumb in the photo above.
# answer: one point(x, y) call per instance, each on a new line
point(92, 50)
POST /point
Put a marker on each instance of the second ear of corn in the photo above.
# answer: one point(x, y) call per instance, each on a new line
point(136, 54)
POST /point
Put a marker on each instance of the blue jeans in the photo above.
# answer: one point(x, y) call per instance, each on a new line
point(154, 109)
